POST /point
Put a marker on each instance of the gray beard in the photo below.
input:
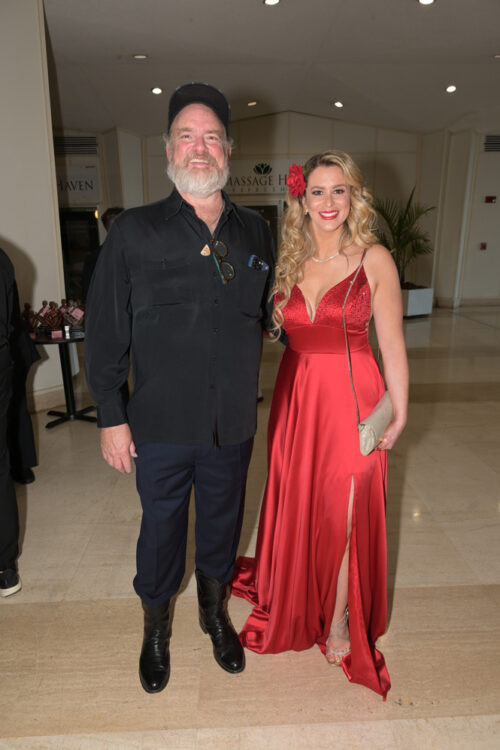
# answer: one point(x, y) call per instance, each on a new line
point(198, 185)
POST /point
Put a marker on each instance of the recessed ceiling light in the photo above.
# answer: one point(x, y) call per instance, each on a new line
point(271, 2)
point(338, 104)
point(140, 57)
point(425, 2)
point(251, 104)
point(451, 89)
point(156, 90)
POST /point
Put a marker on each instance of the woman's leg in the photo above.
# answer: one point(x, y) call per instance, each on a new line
point(338, 640)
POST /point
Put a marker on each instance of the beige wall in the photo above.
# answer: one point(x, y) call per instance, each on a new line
point(29, 223)
point(130, 155)
point(388, 158)
point(454, 215)
point(156, 183)
point(481, 268)
point(121, 159)
point(429, 193)
point(110, 165)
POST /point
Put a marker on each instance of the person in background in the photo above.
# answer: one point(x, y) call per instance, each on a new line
point(319, 572)
point(10, 581)
point(91, 259)
point(183, 285)
point(20, 437)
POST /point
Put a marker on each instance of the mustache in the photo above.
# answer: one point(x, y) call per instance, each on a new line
point(200, 155)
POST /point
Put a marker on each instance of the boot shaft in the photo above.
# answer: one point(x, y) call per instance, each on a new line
point(157, 621)
point(212, 596)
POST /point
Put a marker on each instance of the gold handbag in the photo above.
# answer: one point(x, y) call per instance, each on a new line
point(371, 429)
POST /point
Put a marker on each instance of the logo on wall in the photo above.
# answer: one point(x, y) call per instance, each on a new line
point(260, 177)
point(262, 168)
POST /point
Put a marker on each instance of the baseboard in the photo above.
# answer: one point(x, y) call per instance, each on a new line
point(45, 399)
point(480, 302)
point(451, 303)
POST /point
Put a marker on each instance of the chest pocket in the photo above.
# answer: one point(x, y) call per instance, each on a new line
point(168, 283)
point(251, 290)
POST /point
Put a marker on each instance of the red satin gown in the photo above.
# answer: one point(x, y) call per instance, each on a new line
point(314, 458)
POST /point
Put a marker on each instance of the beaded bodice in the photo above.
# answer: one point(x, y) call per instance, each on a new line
point(326, 332)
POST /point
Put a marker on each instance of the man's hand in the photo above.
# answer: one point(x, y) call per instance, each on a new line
point(117, 447)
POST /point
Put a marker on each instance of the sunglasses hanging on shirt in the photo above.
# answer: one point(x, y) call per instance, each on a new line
point(224, 267)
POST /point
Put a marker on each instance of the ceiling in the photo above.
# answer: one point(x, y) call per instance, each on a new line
point(388, 61)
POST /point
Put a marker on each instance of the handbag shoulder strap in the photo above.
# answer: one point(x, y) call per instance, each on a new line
point(348, 351)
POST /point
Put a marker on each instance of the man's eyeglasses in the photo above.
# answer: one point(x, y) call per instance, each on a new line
point(224, 267)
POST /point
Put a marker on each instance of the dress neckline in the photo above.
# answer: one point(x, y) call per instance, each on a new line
point(311, 320)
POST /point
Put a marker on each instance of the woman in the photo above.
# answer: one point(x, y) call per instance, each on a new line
point(319, 574)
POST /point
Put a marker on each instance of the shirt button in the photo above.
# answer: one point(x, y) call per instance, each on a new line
point(216, 301)
point(216, 330)
point(214, 273)
point(212, 386)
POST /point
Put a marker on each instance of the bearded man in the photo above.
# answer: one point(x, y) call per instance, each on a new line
point(184, 286)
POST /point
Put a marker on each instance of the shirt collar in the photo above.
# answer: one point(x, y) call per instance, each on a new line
point(175, 201)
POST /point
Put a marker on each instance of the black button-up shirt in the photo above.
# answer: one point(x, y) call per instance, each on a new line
point(195, 343)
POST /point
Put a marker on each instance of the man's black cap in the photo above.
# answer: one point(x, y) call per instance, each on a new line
point(202, 93)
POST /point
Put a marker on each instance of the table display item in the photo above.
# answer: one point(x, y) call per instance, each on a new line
point(54, 321)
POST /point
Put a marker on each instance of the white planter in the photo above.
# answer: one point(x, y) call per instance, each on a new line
point(417, 301)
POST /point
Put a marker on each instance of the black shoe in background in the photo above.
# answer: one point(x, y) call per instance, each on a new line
point(23, 475)
point(10, 583)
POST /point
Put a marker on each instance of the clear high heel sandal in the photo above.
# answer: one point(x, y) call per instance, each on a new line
point(340, 631)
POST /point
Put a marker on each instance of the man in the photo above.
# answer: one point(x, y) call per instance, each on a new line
point(10, 582)
point(91, 258)
point(184, 285)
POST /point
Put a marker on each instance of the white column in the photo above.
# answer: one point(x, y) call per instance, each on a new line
point(454, 216)
point(29, 220)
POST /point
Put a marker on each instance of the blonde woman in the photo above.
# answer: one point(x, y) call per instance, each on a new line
point(319, 574)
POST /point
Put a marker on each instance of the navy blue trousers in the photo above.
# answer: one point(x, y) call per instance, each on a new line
point(165, 475)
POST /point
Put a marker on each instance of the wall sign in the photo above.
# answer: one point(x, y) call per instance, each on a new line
point(77, 185)
point(257, 177)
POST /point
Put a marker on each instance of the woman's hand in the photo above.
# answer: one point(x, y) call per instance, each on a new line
point(393, 431)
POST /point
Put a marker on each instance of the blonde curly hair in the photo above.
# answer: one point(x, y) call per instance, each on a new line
point(296, 241)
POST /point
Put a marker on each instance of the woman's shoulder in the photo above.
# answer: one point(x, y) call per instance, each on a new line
point(378, 257)
point(374, 256)
point(380, 268)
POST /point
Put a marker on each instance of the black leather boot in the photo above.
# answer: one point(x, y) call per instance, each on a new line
point(214, 620)
point(154, 664)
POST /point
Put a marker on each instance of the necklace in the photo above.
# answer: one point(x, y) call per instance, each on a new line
point(325, 260)
point(216, 221)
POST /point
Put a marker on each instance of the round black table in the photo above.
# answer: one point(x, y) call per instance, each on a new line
point(71, 412)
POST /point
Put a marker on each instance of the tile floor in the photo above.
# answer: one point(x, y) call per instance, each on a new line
point(69, 641)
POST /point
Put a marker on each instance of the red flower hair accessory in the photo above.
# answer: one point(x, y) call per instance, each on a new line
point(295, 180)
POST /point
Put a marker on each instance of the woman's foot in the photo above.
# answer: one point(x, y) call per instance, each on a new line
point(338, 643)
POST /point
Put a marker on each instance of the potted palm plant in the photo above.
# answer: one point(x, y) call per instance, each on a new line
point(402, 234)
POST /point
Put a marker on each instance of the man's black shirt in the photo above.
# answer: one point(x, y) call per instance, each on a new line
point(195, 343)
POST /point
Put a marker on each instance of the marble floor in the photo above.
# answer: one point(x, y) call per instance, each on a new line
point(69, 640)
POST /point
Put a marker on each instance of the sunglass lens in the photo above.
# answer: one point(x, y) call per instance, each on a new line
point(220, 248)
point(227, 270)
